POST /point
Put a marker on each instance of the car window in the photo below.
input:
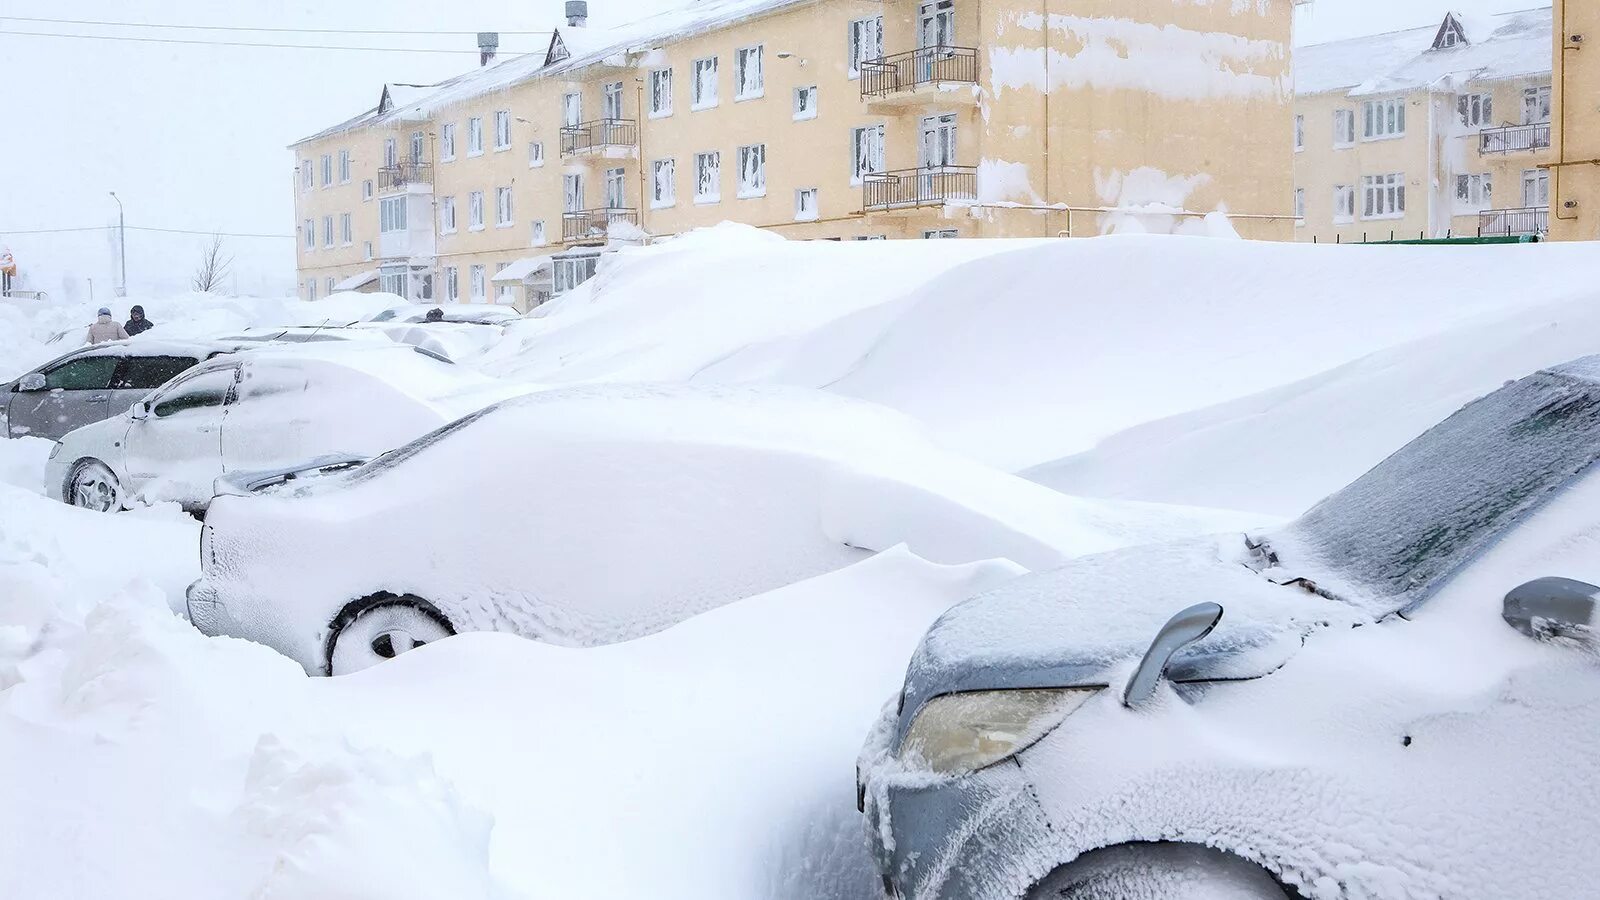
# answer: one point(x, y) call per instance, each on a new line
point(204, 391)
point(146, 373)
point(86, 373)
point(263, 381)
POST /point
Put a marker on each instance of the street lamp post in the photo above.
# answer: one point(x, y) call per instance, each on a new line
point(122, 245)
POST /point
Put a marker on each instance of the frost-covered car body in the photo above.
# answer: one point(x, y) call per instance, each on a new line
point(94, 383)
point(302, 334)
point(263, 408)
point(1361, 723)
point(593, 515)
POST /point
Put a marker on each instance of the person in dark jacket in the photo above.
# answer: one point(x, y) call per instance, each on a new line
point(137, 323)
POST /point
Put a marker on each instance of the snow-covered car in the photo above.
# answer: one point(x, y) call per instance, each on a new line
point(302, 334)
point(94, 383)
point(469, 313)
point(593, 515)
point(1396, 695)
point(258, 410)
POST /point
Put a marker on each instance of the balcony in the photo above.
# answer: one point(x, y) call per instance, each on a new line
point(1532, 220)
point(594, 224)
point(1514, 138)
point(912, 188)
point(926, 73)
point(405, 175)
point(604, 137)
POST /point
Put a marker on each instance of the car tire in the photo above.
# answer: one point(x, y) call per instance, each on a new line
point(1164, 871)
point(93, 486)
point(379, 628)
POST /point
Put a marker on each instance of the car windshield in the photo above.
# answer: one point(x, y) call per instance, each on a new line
point(1391, 538)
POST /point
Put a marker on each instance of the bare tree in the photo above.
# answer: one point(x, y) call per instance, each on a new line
point(213, 268)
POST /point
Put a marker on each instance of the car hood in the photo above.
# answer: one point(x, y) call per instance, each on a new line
point(1086, 622)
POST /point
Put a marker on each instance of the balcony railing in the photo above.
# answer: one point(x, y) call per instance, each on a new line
point(927, 186)
point(1513, 222)
point(1512, 138)
point(912, 69)
point(595, 223)
point(598, 135)
point(405, 173)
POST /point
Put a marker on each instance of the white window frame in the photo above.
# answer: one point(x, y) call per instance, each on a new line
point(366, 190)
point(327, 232)
point(392, 214)
point(502, 130)
point(1299, 133)
point(1539, 181)
point(1383, 120)
point(503, 290)
point(863, 42)
point(703, 84)
point(535, 154)
point(503, 217)
point(663, 183)
point(311, 288)
point(1383, 196)
point(475, 211)
point(572, 192)
point(478, 283)
point(1299, 207)
point(329, 284)
point(391, 151)
point(752, 162)
point(1344, 128)
point(611, 104)
point(308, 175)
point(708, 163)
point(344, 166)
point(327, 170)
point(937, 234)
point(308, 228)
point(1474, 191)
point(452, 284)
point(807, 211)
point(1536, 102)
point(614, 184)
point(347, 230)
point(742, 59)
point(660, 93)
point(1475, 110)
point(537, 236)
point(447, 142)
point(571, 271)
point(475, 136)
point(866, 151)
point(366, 251)
point(572, 109)
point(447, 215)
point(805, 103)
point(1344, 204)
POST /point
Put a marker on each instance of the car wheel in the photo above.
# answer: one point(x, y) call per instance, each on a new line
point(381, 627)
point(92, 485)
point(1159, 872)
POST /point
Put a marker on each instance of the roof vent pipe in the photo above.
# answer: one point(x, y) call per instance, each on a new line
point(488, 43)
point(577, 13)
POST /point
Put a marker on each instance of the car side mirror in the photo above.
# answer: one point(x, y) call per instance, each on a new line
point(1553, 607)
point(1181, 630)
point(33, 381)
point(140, 410)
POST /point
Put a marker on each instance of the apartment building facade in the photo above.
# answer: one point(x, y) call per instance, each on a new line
point(1427, 133)
point(1575, 165)
point(817, 119)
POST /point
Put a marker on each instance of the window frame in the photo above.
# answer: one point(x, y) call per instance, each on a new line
point(660, 101)
point(447, 215)
point(699, 99)
point(1390, 122)
point(535, 154)
point(502, 130)
point(855, 47)
point(741, 61)
point(1299, 133)
point(504, 215)
point(347, 230)
point(474, 136)
point(1344, 195)
point(447, 142)
point(477, 282)
point(800, 194)
point(475, 211)
point(810, 112)
point(742, 157)
point(670, 198)
point(876, 148)
point(344, 166)
point(1344, 123)
point(1390, 190)
point(701, 159)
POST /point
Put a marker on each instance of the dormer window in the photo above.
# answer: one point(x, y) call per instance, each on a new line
point(1451, 34)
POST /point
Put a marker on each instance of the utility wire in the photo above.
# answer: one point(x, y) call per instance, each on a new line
point(4, 231)
point(145, 40)
point(246, 27)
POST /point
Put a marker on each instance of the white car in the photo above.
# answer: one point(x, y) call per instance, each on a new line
point(259, 410)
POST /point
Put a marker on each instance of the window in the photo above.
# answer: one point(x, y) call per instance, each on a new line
point(707, 177)
point(611, 95)
point(1535, 105)
point(452, 284)
point(475, 211)
point(537, 237)
point(474, 136)
point(391, 152)
point(502, 129)
point(306, 175)
point(1344, 127)
point(86, 373)
point(1473, 191)
point(1344, 204)
point(1536, 187)
point(805, 204)
point(939, 234)
point(1385, 118)
point(327, 169)
point(447, 215)
point(503, 291)
point(572, 109)
point(366, 190)
point(344, 166)
point(1383, 196)
point(207, 390)
point(866, 147)
point(146, 373)
point(572, 192)
point(535, 154)
point(502, 208)
point(1299, 207)
point(308, 230)
point(347, 231)
point(392, 280)
point(572, 271)
point(753, 171)
point(327, 231)
point(703, 93)
point(1475, 110)
point(392, 214)
point(749, 82)
point(447, 142)
point(865, 43)
point(805, 102)
point(663, 190)
point(366, 251)
point(1299, 133)
point(479, 283)
point(416, 146)
point(329, 285)
point(616, 187)
point(311, 289)
point(660, 93)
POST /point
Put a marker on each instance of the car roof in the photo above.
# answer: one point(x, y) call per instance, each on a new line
point(156, 347)
point(417, 373)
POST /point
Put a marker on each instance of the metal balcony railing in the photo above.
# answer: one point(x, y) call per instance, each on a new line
point(598, 135)
point(1512, 138)
point(404, 173)
point(595, 223)
point(927, 186)
point(913, 68)
point(1509, 222)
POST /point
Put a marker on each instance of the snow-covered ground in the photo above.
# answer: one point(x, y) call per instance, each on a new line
point(713, 759)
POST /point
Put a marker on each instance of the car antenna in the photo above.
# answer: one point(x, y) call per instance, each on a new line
point(319, 328)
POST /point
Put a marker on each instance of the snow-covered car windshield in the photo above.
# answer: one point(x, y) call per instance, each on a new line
point(1392, 538)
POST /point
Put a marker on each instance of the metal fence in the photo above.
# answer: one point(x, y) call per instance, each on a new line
point(404, 173)
point(598, 134)
point(1512, 138)
point(1529, 220)
point(927, 186)
point(594, 223)
point(912, 68)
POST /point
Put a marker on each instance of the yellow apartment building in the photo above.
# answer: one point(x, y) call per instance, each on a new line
point(1575, 166)
point(818, 119)
point(1434, 132)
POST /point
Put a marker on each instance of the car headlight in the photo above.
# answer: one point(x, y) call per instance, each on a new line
point(959, 733)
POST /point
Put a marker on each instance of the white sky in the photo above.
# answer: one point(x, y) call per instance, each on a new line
point(194, 137)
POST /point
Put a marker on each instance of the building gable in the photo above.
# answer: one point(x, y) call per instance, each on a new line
point(1451, 33)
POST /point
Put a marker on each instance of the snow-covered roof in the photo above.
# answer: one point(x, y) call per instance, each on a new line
point(522, 268)
point(358, 280)
point(1509, 45)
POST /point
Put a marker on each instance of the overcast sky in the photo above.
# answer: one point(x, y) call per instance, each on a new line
point(193, 137)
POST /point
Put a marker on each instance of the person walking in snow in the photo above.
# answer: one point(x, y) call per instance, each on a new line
point(137, 323)
point(106, 329)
